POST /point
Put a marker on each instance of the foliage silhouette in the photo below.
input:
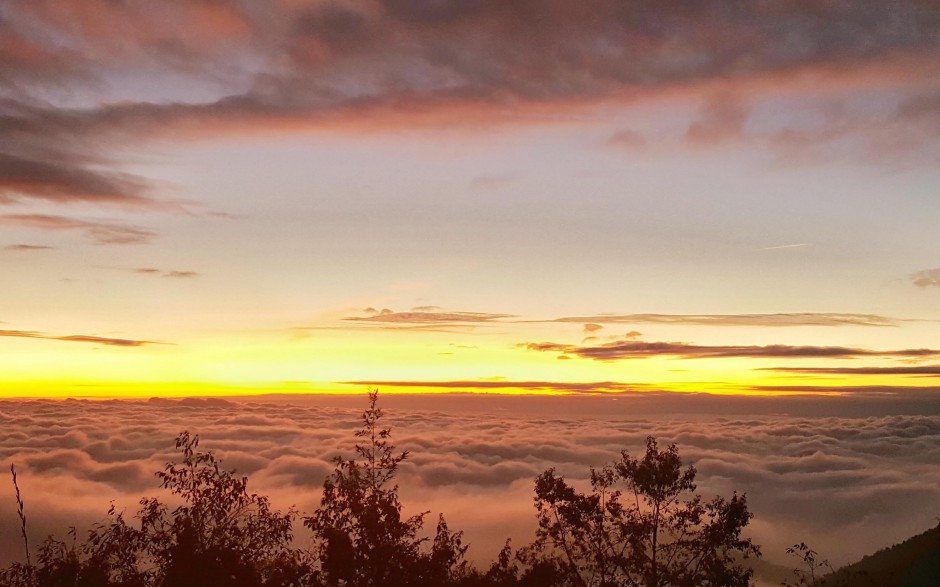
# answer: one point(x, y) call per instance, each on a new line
point(219, 535)
point(813, 567)
point(19, 573)
point(21, 512)
point(362, 538)
point(639, 525)
point(220, 532)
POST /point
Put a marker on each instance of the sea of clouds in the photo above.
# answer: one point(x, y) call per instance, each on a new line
point(845, 485)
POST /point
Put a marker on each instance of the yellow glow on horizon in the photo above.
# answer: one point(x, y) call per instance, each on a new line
point(324, 362)
point(65, 388)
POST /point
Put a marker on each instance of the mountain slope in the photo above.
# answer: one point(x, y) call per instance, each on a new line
point(912, 563)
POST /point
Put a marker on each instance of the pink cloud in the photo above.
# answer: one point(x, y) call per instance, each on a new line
point(99, 232)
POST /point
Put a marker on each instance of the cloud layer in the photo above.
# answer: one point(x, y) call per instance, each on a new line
point(338, 55)
point(816, 479)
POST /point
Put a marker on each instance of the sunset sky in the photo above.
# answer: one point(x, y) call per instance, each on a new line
point(233, 196)
point(620, 202)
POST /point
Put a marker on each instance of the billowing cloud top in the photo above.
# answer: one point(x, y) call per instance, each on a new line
point(807, 478)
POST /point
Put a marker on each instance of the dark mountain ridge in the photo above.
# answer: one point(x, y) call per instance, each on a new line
point(912, 563)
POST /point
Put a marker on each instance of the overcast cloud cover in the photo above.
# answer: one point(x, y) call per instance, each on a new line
point(74, 76)
point(813, 479)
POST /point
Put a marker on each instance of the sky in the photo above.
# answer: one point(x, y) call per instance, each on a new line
point(575, 223)
point(219, 197)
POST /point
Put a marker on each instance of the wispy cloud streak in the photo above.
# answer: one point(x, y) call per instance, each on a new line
point(424, 317)
point(99, 232)
point(25, 247)
point(173, 274)
point(420, 319)
point(930, 370)
point(629, 349)
point(886, 390)
point(108, 341)
point(778, 319)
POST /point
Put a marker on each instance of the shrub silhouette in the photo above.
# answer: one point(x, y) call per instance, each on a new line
point(219, 535)
point(640, 525)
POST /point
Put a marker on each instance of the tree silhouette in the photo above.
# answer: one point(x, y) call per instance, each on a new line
point(362, 538)
point(640, 525)
point(445, 563)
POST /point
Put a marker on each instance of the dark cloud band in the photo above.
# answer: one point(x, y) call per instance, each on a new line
point(929, 370)
point(297, 64)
